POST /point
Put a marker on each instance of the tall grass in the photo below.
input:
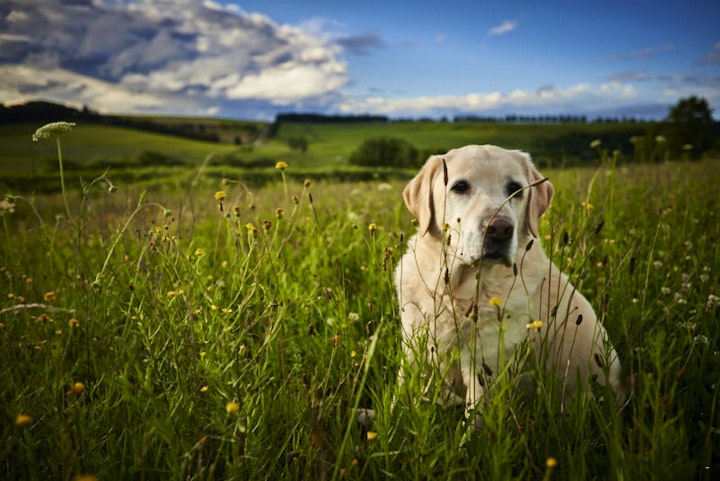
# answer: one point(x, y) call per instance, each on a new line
point(223, 332)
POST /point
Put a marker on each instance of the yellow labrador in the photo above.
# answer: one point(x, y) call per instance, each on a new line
point(475, 283)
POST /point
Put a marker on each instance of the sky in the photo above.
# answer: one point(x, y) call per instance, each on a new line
point(253, 59)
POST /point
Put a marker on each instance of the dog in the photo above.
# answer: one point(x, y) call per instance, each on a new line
point(475, 284)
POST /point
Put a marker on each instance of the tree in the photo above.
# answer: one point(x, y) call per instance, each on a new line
point(385, 152)
point(691, 128)
point(691, 110)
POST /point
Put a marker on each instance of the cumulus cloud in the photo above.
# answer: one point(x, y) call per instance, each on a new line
point(144, 55)
point(506, 27)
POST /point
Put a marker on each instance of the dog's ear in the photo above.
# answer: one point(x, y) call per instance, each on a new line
point(539, 196)
point(418, 195)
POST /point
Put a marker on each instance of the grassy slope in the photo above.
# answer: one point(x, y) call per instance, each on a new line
point(330, 144)
point(90, 143)
point(210, 350)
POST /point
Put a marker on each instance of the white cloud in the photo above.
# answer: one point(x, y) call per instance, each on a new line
point(545, 100)
point(173, 52)
point(506, 27)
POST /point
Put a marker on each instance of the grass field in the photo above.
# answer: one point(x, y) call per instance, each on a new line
point(220, 331)
point(136, 157)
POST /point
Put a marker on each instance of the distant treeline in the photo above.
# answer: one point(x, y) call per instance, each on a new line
point(547, 119)
point(319, 118)
point(45, 112)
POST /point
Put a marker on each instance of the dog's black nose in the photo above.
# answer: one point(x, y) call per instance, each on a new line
point(500, 229)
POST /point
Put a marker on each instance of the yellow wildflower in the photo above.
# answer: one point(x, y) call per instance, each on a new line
point(220, 195)
point(495, 301)
point(281, 166)
point(372, 435)
point(86, 477)
point(232, 407)
point(372, 227)
point(199, 252)
point(77, 388)
point(551, 462)
point(535, 325)
point(73, 323)
point(22, 420)
point(50, 296)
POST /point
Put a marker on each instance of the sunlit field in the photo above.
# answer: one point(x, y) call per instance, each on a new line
point(217, 330)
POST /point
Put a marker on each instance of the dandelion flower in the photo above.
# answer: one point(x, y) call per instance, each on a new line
point(495, 301)
point(204, 389)
point(171, 293)
point(52, 130)
point(281, 166)
point(372, 227)
point(50, 296)
point(220, 195)
point(372, 435)
point(586, 205)
point(199, 252)
point(22, 420)
point(551, 462)
point(232, 407)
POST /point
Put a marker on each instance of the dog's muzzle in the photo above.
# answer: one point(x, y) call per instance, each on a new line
point(497, 242)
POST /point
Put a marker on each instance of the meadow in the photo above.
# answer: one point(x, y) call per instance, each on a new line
point(216, 329)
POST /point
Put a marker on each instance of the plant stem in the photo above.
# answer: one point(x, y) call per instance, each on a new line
point(62, 179)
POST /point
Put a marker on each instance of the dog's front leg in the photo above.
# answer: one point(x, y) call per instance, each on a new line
point(474, 389)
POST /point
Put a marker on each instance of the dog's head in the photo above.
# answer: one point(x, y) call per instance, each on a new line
point(485, 198)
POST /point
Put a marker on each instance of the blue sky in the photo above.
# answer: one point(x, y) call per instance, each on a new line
point(252, 59)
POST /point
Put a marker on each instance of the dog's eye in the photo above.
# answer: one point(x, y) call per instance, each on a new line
point(513, 187)
point(460, 187)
